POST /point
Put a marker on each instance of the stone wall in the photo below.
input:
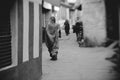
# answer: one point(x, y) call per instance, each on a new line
point(93, 17)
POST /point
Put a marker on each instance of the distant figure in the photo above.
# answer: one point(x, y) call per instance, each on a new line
point(52, 35)
point(59, 30)
point(43, 34)
point(67, 27)
point(60, 33)
point(79, 30)
point(77, 27)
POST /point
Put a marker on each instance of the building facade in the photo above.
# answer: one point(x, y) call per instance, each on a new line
point(100, 21)
point(93, 17)
point(21, 36)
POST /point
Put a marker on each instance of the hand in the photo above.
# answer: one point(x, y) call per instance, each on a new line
point(52, 37)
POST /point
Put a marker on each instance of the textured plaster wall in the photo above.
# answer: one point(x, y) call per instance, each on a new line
point(93, 17)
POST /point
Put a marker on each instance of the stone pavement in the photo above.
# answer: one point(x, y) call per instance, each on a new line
point(77, 63)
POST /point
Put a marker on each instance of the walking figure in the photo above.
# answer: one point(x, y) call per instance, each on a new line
point(67, 27)
point(52, 35)
point(79, 31)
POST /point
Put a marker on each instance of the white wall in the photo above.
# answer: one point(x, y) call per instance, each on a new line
point(26, 29)
point(93, 17)
point(36, 30)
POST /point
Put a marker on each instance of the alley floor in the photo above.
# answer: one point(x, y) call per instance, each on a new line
point(77, 63)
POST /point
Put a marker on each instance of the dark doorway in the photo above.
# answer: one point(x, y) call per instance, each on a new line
point(112, 19)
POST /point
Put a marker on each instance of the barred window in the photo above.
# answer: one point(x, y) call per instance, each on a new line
point(5, 38)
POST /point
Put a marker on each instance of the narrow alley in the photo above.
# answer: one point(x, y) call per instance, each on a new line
point(26, 25)
point(77, 63)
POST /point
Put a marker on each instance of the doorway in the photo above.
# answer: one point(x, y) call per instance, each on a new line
point(112, 19)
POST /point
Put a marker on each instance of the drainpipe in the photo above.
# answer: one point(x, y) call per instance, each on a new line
point(119, 25)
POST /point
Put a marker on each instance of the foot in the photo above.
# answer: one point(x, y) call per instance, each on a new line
point(50, 55)
point(54, 57)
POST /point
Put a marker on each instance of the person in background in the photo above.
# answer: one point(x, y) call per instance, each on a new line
point(67, 27)
point(77, 28)
point(52, 35)
point(79, 31)
point(60, 33)
point(43, 34)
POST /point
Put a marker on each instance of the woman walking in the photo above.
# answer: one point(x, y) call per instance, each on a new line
point(52, 35)
point(67, 27)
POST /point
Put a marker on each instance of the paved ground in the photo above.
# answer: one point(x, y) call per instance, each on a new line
point(77, 63)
